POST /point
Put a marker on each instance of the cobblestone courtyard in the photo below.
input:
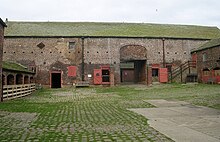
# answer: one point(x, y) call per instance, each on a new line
point(90, 114)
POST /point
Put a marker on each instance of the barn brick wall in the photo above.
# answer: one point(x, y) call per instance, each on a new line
point(213, 54)
point(56, 54)
point(1, 55)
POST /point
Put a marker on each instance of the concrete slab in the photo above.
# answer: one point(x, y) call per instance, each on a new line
point(182, 121)
point(165, 103)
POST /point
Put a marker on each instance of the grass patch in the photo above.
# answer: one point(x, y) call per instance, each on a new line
point(94, 114)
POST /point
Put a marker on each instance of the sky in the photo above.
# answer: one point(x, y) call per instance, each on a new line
point(185, 12)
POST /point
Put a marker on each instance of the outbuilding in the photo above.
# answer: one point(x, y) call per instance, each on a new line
point(208, 61)
point(2, 26)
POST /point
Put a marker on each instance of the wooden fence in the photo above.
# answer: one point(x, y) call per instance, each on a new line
point(16, 91)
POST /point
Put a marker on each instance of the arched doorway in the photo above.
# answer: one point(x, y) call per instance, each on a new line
point(19, 79)
point(10, 79)
point(133, 63)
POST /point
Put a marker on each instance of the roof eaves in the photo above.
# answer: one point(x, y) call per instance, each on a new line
point(2, 23)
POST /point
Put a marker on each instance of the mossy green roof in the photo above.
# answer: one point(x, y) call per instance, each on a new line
point(14, 67)
point(68, 29)
point(209, 44)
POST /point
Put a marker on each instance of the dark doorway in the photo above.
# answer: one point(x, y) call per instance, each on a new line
point(105, 75)
point(55, 80)
point(133, 71)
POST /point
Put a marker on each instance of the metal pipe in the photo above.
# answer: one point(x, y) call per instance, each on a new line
point(83, 71)
point(164, 60)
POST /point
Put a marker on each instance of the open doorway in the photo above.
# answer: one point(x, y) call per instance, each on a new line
point(55, 79)
point(133, 71)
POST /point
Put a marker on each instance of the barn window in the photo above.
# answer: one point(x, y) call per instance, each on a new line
point(72, 45)
point(204, 57)
point(72, 71)
point(155, 72)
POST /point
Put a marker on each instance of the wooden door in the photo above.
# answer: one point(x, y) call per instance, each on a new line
point(97, 76)
point(163, 75)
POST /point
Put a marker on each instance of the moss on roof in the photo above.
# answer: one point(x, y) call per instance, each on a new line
point(110, 30)
point(209, 44)
point(14, 67)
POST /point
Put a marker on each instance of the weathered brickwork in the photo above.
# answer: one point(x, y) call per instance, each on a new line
point(56, 55)
point(2, 25)
point(211, 62)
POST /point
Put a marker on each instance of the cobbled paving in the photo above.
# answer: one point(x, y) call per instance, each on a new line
point(75, 115)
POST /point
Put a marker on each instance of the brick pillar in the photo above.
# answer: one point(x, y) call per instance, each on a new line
point(149, 75)
point(112, 77)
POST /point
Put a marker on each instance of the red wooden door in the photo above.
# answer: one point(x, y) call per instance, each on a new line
point(97, 76)
point(163, 75)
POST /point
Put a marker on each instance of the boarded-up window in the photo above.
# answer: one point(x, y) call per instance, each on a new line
point(72, 71)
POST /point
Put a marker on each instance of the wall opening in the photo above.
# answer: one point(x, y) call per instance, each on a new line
point(105, 75)
point(26, 80)
point(3, 79)
point(10, 79)
point(31, 80)
point(155, 74)
point(133, 71)
point(133, 64)
point(55, 80)
point(19, 79)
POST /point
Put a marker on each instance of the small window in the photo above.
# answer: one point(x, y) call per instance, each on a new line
point(72, 45)
point(158, 52)
point(154, 72)
point(204, 57)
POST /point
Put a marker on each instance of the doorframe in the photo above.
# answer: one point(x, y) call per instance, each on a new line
point(61, 79)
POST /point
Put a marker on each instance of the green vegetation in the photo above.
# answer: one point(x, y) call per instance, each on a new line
point(110, 29)
point(210, 44)
point(94, 114)
point(14, 66)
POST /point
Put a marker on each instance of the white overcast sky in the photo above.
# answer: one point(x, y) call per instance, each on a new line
point(194, 12)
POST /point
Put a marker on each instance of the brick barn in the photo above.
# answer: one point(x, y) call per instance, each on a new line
point(64, 53)
point(2, 26)
point(208, 61)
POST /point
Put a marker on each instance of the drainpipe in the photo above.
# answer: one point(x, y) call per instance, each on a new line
point(164, 61)
point(83, 71)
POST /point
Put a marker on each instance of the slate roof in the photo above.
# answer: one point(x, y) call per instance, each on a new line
point(210, 44)
point(6, 65)
point(95, 29)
